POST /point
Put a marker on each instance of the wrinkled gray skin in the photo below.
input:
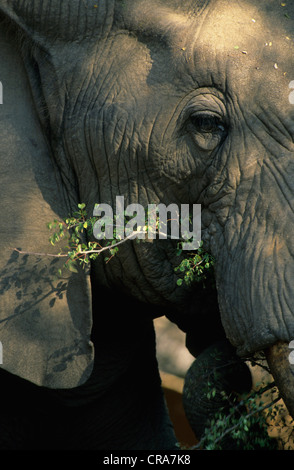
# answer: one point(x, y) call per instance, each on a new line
point(150, 100)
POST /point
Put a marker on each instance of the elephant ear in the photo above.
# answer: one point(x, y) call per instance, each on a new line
point(45, 317)
point(66, 20)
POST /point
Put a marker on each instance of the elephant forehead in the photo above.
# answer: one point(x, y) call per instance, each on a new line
point(228, 44)
point(259, 35)
point(217, 22)
point(249, 23)
point(246, 49)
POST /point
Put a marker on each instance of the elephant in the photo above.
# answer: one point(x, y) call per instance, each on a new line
point(157, 101)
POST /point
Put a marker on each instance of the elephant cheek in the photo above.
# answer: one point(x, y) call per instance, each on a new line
point(278, 358)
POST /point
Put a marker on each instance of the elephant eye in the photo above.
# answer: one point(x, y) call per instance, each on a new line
point(208, 130)
point(207, 123)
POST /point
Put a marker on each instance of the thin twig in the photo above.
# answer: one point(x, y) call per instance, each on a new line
point(40, 254)
point(85, 252)
point(227, 431)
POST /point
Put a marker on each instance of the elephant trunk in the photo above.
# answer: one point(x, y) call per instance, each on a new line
point(212, 384)
point(278, 359)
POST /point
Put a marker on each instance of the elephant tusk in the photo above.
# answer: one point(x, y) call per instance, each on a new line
point(278, 358)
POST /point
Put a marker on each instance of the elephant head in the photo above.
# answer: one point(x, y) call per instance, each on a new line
point(178, 102)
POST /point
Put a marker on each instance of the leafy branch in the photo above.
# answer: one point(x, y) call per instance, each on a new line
point(196, 267)
point(248, 430)
point(79, 250)
point(247, 422)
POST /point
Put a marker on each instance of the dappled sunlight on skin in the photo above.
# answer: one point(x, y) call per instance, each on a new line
point(273, 249)
point(176, 101)
point(253, 46)
point(238, 55)
point(38, 327)
point(33, 293)
point(147, 16)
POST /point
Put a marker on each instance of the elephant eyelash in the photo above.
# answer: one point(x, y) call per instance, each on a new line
point(208, 123)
